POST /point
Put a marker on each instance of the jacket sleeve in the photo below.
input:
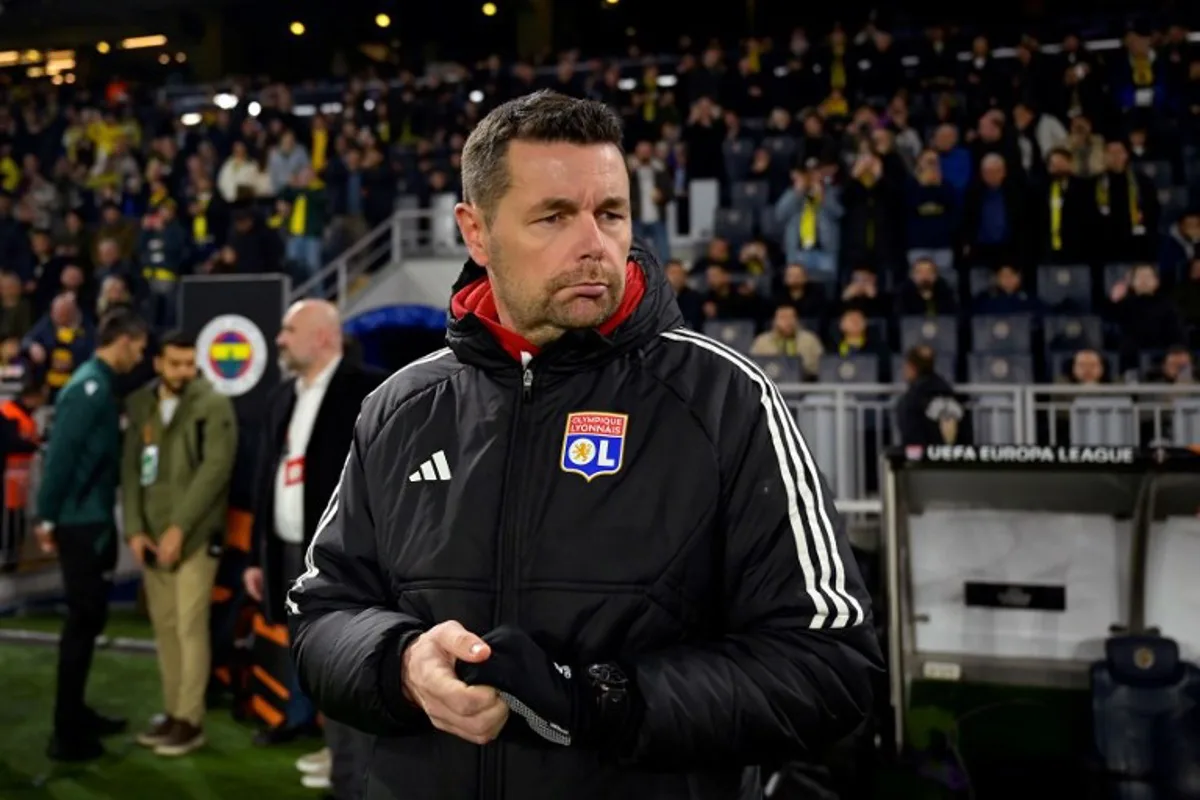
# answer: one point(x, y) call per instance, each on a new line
point(131, 478)
point(347, 636)
point(794, 668)
point(210, 482)
point(67, 454)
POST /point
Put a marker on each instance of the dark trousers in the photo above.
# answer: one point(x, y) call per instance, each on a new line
point(300, 710)
point(351, 751)
point(88, 556)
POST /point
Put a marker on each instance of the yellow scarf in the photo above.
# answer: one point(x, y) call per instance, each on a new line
point(200, 221)
point(808, 223)
point(1056, 206)
point(1142, 68)
point(837, 67)
point(1135, 205)
point(851, 345)
point(299, 215)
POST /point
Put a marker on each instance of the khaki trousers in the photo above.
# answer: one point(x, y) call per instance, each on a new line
point(179, 605)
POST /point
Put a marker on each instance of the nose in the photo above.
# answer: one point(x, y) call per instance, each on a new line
point(590, 238)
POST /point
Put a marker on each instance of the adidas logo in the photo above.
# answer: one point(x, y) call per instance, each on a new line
point(435, 468)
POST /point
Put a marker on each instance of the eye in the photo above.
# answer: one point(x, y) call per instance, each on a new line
point(612, 215)
point(551, 220)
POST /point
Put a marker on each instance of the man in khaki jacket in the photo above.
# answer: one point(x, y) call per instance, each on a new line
point(179, 450)
point(787, 337)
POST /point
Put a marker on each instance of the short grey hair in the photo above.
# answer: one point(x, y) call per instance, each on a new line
point(544, 116)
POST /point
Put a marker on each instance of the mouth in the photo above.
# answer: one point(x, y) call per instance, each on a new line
point(589, 290)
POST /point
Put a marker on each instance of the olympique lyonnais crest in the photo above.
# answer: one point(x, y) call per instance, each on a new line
point(594, 443)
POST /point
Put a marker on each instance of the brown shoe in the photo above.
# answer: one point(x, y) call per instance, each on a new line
point(158, 732)
point(183, 739)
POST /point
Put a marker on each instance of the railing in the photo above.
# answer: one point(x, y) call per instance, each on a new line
point(848, 425)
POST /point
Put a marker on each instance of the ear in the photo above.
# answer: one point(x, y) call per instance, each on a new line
point(474, 232)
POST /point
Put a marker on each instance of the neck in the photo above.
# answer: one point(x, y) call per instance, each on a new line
point(109, 357)
point(308, 375)
point(165, 392)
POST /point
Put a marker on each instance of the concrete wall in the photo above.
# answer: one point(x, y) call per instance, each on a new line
point(417, 281)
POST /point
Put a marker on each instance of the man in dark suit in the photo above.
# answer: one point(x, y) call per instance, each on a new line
point(307, 430)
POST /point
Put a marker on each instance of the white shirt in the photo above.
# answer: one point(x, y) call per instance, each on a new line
point(290, 475)
point(166, 409)
point(646, 187)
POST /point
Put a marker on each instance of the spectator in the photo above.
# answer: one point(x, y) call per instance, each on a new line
point(16, 314)
point(59, 342)
point(691, 302)
point(306, 210)
point(717, 253)
point(996, 227)
point(810, 211)
point(241, 177)
point(116, 228)
point(954, 159)
point(1067, 212)
point(932, 214)
point(1086, 368)
point(1181, 245)
point(1038, 135)
point(253, 247)
point(1176, 368)
point(287, 163)
point(1005, 295)
point(19, 440)
point(925, 293)
point(862, 293)
point(854, 338)
point(869, 230)
point(1186, 296)
point(1127, 205)
point(928, 413)
point(651, 189)
point(727, 300)
point(1086, 148)
point(787, 337)
point(808, 297)
point(164, 249)
point(1147, 319)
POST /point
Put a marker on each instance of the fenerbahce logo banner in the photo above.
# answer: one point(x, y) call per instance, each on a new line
point(233, 354)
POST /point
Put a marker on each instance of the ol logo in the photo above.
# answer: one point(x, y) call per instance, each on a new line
point(232, 353)
point(594, 443)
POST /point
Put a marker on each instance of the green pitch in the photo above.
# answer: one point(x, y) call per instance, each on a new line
point(229, 768)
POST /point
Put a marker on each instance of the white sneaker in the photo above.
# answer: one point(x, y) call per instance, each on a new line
point(318, 761)
point(316, 780)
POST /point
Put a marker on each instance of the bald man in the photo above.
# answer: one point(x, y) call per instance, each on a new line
point(306, 435)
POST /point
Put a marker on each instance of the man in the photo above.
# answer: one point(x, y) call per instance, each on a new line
point(652, 190)
point(75, 503)
point(59, 342)
point(787, 337)
point(927, 413)
point(307, 432)
point(500, 559)
point(20, 438)
point(180, 443)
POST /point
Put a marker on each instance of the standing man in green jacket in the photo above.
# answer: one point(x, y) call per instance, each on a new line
point(75, 504)
point(180, 443)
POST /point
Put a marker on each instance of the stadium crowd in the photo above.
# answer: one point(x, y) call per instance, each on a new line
point(1040, 211)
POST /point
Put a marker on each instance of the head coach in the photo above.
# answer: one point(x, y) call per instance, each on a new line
point(583, 552)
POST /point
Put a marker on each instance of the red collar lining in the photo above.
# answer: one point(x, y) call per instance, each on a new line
point(477, 298)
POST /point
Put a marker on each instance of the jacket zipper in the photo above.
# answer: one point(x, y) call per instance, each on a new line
point(507, 567)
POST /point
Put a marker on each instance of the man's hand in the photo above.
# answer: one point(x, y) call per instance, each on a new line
point(474, 713)
point(170, 545)
point(45, 538)
point(37, 353)
point(252, 579)
point(139, 545)
point(552, 698)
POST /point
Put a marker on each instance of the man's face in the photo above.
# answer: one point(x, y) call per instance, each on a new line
point(72, 278)
point(992, 172)
point(108, 253)
point(786, 321)
point(794, 277)
point(924, 274)
point(676, 276)
point(1060, 166)
point(1087, 368)
point(717, 278)
point(1176, 363)
point(644, 151)
point(111, 215)
point(557, 248)
point(299, 339)
point(1116, 157)
point(1145, 280)
point(1189, 226)
point(177, 367)
point(853, 324)
point(718, 250)
point(1008, 279)
point(130, 351)
point(10, 288)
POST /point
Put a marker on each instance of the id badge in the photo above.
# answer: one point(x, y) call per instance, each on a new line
point(149, 464)
point(293, 471)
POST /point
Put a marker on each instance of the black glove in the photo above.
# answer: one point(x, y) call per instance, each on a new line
point(593, 707)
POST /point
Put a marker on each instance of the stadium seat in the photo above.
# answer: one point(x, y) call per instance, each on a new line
point(1059, 364)
point(1067, 332)
point(737, 333)
point(1185, 421)
point(999, 368)
point(979, 280)
point(1149, 360)
point(1008, 333)
point(1103, 421)
point(734, 224)
point(851, 369)
point(943, 365)
point(738, 153)
point(1159, 172)
point(769, 227)
point(940, 333)
point(781, 369)
point(1065, 288)
point(750, 196)
point(782, 150)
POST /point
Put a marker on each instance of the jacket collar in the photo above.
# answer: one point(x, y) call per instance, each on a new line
point(476, 336)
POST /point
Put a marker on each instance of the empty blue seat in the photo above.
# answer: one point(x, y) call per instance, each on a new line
point(980, 280)
point(999, 368)
point(734, 224)
point(940, 333)
point(782, 150)
point(1008, 333)
point(739, 153)
point(750, 195)
point(1066, 288)
point(1071, 332)
point(770, 227)
point(851, 369)
point(737, 333)
point(781, 369)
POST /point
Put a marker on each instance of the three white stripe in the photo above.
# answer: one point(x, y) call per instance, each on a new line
point(792, 452)
point(331, 508)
